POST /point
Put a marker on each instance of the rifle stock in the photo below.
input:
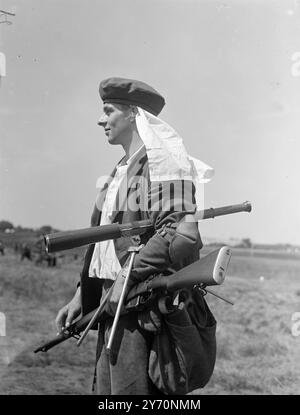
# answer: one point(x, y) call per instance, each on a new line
point(60, 241)
point(210, 270)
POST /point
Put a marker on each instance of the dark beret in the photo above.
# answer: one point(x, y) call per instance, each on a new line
point(131, 92)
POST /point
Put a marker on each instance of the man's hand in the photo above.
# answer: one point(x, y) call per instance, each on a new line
point(69, 312)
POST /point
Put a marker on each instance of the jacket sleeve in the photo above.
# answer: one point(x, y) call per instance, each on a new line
point(176, 239)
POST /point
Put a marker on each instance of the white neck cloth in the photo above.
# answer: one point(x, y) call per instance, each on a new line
point(167, 156)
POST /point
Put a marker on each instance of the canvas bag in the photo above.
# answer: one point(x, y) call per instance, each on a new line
point(183, 353)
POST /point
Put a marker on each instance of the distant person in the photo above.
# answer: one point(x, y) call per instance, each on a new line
point(51, 260)
point(2, 248)
point(16, 248)
point(25, 252)
point(45, 257)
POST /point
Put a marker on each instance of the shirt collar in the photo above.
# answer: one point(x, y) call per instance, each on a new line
point(132, 158)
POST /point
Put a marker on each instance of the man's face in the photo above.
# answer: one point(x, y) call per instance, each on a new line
point(116, 123)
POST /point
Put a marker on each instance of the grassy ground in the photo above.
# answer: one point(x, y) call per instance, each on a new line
point(257, 353)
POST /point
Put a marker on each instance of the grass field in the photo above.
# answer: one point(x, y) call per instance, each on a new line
point(257, 353)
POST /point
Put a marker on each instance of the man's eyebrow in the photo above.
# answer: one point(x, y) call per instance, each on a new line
point(106, 107)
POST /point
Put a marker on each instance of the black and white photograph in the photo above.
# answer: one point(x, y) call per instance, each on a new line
point(149, 200)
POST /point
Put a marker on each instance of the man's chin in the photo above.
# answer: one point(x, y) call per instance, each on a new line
point(112, 141)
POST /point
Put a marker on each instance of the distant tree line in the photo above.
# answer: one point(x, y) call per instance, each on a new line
point(6, 226)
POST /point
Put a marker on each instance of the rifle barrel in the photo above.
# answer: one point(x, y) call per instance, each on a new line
point(53, 342)
point(60, 241)
point(224, 210)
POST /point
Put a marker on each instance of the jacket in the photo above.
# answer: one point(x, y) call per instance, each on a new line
point(165, 249)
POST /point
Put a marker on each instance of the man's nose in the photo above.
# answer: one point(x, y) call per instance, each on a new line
point(102, 120)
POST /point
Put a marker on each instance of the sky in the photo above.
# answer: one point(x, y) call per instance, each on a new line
point(229, 71)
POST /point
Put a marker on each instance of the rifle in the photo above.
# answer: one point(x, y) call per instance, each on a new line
point(210, 270)
point(60, 241)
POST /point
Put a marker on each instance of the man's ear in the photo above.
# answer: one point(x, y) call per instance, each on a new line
point(132, 112)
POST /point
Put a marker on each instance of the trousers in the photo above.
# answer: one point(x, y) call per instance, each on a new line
point(125, 370)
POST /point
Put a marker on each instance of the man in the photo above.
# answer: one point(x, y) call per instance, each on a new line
point(26, 252)
point(153, 180)
point(1, 247)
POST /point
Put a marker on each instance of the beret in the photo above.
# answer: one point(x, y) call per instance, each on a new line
point(131, 92)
